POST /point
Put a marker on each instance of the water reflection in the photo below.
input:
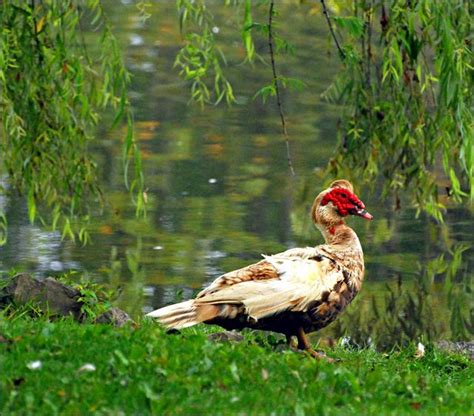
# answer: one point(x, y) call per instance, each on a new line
point(428, 306)
point(220, 195)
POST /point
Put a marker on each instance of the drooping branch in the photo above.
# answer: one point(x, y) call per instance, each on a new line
point(331, 29)
point(277, 89)
point(46, 128)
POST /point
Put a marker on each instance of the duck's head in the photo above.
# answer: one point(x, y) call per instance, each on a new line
point(337, 202)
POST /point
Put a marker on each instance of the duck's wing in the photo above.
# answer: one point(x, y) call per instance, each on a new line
point(286, 281)
point(262, 270)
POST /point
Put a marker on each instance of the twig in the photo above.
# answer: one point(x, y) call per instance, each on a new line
point(331, 29)
point(369, 43)
point(277, 90)
point(35, 32)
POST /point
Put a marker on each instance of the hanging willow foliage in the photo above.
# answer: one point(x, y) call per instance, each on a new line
point(51, 91)
point(200, 59)
point(405, 86)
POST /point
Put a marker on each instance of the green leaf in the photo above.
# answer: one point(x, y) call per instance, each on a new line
point(352, 24)
point(246, 32)
point(31, 206)
point(455, 183)
point(265, 92)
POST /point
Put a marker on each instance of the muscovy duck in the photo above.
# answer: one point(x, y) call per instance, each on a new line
point(295, 292)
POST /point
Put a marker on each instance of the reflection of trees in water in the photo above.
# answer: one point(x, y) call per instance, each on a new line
point(31, 247)
point(434, 303)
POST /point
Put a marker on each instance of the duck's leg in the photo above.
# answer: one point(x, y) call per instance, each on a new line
point(303, 344)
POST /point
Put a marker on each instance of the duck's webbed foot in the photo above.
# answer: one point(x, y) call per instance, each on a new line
point(319, 355)
point(303, 344)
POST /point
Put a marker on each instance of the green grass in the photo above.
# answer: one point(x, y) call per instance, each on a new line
point(142, 370)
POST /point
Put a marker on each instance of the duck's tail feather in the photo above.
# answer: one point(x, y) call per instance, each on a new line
point(185, 314)
point(177, 316)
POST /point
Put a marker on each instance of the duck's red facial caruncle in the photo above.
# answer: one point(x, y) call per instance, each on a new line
point(346, 203)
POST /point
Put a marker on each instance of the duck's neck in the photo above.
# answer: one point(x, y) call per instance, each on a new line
point(344, 245)
point(340, 234)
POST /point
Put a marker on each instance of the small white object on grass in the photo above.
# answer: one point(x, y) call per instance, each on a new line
point(34, 365)
point(87, 367)
point(420, 350)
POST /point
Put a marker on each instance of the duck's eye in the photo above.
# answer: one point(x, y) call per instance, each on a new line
point(344, 195)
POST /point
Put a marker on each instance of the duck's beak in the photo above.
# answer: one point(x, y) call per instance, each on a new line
point(361, 212)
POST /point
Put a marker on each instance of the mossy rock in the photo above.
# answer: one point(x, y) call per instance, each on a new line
point(48, 294)
point(53, 298)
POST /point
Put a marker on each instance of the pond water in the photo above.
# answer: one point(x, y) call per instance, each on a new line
point(220, 192)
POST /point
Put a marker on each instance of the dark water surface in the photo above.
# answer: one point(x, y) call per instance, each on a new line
point(220, 193)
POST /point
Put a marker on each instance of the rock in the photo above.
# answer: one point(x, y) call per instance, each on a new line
point(114, 316)
point(226, 336)
point(54, 297)
point(49, 294)
point(464, 347)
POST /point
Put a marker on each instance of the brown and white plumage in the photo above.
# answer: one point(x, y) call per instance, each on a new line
point(294, 292)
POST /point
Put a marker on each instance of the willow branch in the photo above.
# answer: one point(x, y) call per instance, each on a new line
point(331, 29)
point(277, 89)
point(368, 25)
point(35, 32)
